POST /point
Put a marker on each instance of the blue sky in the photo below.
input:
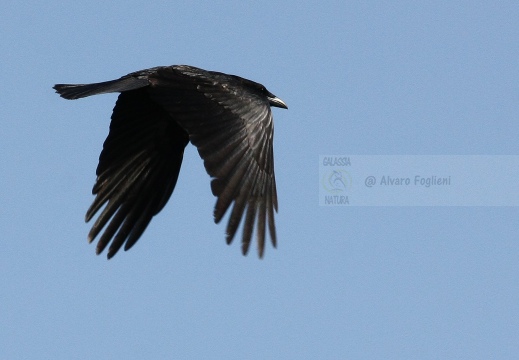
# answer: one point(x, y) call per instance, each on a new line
point(367, 78)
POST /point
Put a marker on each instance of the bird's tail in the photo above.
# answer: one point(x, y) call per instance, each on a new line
point(77, 91)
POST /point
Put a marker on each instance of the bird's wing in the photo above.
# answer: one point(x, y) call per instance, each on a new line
point(137, 172)
point(233, 131)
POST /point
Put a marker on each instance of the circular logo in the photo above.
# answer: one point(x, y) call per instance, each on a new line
point(336, 181)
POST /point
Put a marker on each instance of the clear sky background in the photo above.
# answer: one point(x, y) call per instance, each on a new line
point(371, 78)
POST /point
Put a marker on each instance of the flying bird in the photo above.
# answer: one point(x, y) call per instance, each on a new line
point(158, 112)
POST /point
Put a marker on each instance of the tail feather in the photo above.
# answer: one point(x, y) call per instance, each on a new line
point(77, 91)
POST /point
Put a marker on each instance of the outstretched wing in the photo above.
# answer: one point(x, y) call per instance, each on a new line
point(232, 127)
point(137, 172)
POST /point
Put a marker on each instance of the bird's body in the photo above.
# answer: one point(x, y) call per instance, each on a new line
point(159, 110)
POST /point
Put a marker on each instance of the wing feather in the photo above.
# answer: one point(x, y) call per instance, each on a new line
point(231, 125)
point(137, 172)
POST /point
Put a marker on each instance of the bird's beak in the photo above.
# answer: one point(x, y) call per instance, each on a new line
point(277, 102)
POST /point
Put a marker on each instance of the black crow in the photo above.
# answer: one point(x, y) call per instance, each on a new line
point(159, 110)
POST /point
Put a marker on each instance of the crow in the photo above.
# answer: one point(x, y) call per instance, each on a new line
point(158, 112)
